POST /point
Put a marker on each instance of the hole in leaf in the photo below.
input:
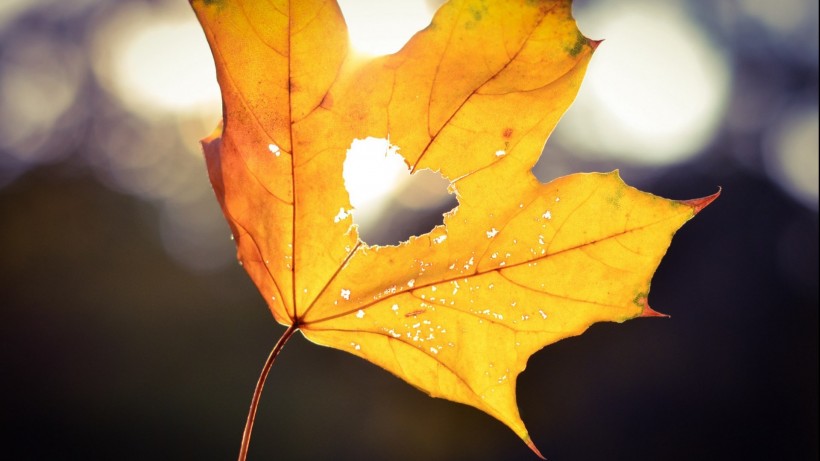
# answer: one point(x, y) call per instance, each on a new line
point(389, 204)
point(378, 28)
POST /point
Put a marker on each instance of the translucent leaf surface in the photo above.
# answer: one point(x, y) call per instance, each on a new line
point(516, 266)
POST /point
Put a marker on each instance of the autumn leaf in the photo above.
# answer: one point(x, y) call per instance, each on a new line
point(516, 266)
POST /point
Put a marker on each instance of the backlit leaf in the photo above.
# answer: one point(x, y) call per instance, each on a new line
point(516, 266)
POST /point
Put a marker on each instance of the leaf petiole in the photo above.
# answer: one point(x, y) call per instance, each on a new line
point(260, 384)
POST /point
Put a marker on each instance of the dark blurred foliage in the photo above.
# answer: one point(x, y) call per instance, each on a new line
point(111, 348)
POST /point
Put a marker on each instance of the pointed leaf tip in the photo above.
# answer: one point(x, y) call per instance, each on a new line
point(532, 446)
point(594, 43)
point(698, 204)
point(649, 312)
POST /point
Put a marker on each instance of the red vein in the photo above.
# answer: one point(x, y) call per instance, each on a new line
point(259, 252)
point(434, 136)
point(475, 272)
point(254, 175)
point(554, 295)
point(332, 277)
point(292, 165)
point(256, 31)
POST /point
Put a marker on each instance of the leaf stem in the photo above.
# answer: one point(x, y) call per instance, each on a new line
point(257, 393)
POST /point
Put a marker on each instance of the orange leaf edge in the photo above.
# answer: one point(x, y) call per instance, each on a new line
point(532, 446)
point(699, 204)
point(649, 312)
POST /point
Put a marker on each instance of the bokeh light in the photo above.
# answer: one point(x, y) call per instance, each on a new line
point(655, 91)
point(156, 62)
point(39, 81)
point(791, 151)
point(378, 28)
point(784, 16)
point(9, 9)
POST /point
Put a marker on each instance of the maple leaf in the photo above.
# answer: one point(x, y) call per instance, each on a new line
point(516, 266)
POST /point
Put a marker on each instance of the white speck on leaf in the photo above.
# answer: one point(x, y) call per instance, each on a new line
point(492, 233)
point(345, 293)
point(341, 215)
point(360, 314)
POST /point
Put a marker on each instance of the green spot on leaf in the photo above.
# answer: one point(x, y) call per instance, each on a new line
point(640, 299)
point(580, 42)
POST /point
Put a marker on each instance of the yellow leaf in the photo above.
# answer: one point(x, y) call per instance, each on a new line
point(517, 266)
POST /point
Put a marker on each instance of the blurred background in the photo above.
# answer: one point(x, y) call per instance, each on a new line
point(128, 330)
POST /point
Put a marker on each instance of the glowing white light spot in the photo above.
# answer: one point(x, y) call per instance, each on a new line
point(500, 153)
point(371, 169)
point(547, 215)
point(274, 149)
point(792, 150)
point(342, 214)
point(345, 293)
point(374, 173)
point(492, 233)
point(378, 28)
point(360, 314)
point(656, 89)
point(151, 63)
